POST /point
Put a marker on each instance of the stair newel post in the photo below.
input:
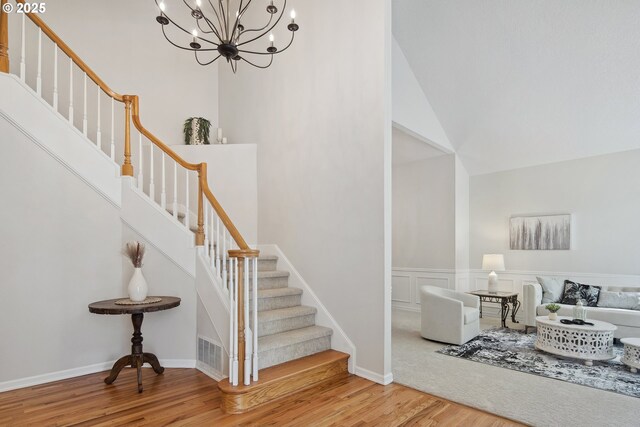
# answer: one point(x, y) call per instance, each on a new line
point(127, 167)
point(4, 39)
point(202, 176)
point(241, 325)
point(244, 262)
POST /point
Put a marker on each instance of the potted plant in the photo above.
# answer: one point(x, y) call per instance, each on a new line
point(196, 131)
point(553, 310)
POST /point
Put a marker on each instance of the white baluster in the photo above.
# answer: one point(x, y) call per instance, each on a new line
point(217, 248)
point(152, 186)
point(140, 174)
point(212, 249)
point(247, 330)
point(235, 329)
point(175, 190)
point(55, 76)
point(98, 130)
point(186, 199)
point(206, 228)
point(232, 327)
point(163, 195)
point(39, 76)
point(23, 67)
point(224, 256)
point(84, 112)
point(255, 318)
point(113, 132)
point(227, 286)
point(71, 91)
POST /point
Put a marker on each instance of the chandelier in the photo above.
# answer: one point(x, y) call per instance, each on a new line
point(217, 31)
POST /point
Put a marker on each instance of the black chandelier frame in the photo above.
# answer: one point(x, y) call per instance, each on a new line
point(228, 39)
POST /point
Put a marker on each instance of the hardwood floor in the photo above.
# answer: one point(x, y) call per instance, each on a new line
point(190, 398)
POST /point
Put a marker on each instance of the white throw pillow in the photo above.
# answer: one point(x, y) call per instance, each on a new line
point(628, 300)
point(552, 288)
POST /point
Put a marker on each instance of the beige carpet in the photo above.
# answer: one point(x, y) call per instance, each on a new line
point(527, 398)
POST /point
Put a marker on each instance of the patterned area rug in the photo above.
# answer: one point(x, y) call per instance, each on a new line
point(511, 349)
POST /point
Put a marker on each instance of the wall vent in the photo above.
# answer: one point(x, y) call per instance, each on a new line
point(210, 354)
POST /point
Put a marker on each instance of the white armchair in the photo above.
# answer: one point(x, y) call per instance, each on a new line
point(449, 316)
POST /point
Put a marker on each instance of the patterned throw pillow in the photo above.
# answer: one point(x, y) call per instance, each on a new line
point(577, 291)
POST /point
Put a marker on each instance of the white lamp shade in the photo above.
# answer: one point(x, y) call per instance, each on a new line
point(493, 262)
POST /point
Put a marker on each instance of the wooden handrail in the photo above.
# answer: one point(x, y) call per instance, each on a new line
point(135, 115)
point(132, 113)
point(4, 39)
point(71, 54)
point(202, 181)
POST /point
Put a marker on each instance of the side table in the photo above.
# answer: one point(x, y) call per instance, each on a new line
point(502, 298)
point(137, 357)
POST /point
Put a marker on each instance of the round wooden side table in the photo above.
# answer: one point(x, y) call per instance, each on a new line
point(137, 357)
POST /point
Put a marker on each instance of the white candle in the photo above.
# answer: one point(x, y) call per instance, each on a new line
point(219, 134)
point(224, 140)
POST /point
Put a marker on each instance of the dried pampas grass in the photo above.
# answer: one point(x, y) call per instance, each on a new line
point(135, 251)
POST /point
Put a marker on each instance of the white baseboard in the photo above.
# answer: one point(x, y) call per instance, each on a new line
point(373, 376)
point(83, 370)
point(217, 376)
point(178, 363)
point(55, 376)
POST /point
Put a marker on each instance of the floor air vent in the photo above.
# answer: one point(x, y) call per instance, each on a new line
point(210, 355)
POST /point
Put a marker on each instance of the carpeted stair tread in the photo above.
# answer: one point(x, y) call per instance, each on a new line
point(285, 313)
point(278, 292)
point(270, 274)
point(285, 319)
point(291, 338)
point(276, 298)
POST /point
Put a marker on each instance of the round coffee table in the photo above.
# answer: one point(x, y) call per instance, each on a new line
point(137, 357)
point(583, 342)
point(631, 356)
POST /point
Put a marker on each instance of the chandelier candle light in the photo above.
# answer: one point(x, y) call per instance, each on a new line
point(493, 263)
point(212, 34)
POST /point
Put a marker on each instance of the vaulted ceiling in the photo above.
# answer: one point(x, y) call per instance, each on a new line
point(518, 83)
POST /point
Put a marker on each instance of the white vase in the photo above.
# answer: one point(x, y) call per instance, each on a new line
point(138, 288)
point(553, 316)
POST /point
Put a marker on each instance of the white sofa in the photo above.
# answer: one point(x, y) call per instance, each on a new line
point(627, 321)
point(449, 316)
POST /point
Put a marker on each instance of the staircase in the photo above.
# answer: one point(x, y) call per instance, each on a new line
point(293, 353)
point(286, 329)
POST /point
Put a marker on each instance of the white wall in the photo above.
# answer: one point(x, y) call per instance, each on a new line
point(232, 176)
point(122, 42)
point(424, 213)
point(62, 244)
point(322, 127)
point(412, 111)
point(169, 334)
point(60, 251)
point(462, 224)
point(601, 193)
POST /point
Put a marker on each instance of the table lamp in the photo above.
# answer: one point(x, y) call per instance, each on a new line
point(493, 263)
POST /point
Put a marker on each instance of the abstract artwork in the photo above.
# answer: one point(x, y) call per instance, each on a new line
point(549, 232)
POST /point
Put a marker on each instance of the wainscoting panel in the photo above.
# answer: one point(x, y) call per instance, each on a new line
point(401, 288)
point(417, 277)
point(470, 280)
